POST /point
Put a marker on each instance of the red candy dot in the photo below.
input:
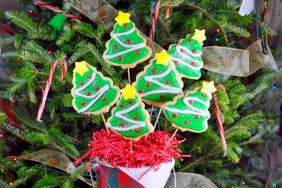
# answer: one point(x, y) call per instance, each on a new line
point(137, 51)
point(148, 85)
point(138, 130)
point(121, 124)
point(190, 41)
point(87, 93)
point(119, 58)
point(176, 62)
point(97, 88)
point(104, 99)
point(194, 51)
point(140, 91)
point(125, 25)
point(193, 64)
point(136, 117)
point(175, 115)
point(191, 101)
point(115, 47)
point(130, 101)
point(82, 103)
point(198, 116)
point(182, 50)
point(89, 77)
point(162, 96)
point(121, 105)
point(187, 122)
point(154, 71)
point(81, 83)
point(203, 95)
point(167, 82)
point(128, 41)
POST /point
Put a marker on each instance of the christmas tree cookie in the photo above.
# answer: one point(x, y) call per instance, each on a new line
point(190, 112)
point(129, 118)
point(187, 55)
point(126, 48)
point(159, 82)
point(92, 92)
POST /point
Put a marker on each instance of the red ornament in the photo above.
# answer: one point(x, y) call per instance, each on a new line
point(176, 62)
point(175, 115)
point(82, 103)
point(190, 41)
point(136, 117)
point(17, 59)
point(104, 99)
point(119, 58)
point(128, 41)
point(88, 93)
point(121, 105)
point(191, 101)
point(130, 101)
point(81, 83)
point(187, 122)
point(125, 26)
point(162, 96)
point(115, 47)
point(97, 88)
point(217, 30)
point(154, 71)
point(203, 95)
point(138, 130)
point(31, 11)
point(193, 64)
point(50, 52)
point(140, 91)
point(89, 77)
point(194, 51)
point(167, 82)
point(138, 51)
point(1, 135)
point(121, 124)
point(198, 116)
point(148, 85)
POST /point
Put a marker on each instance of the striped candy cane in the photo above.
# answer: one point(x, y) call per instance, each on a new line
point(154, 21)
point(219, 121)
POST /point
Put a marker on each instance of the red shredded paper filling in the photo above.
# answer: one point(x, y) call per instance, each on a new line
point(147, 151)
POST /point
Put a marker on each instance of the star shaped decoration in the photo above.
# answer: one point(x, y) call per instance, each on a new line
point(199, 35)
point(163, 58)
point(128, 92)
point(122, 18)
point(208, 88)
point(81, 67)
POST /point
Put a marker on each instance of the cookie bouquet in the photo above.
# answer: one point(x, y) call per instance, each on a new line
point(129, 152)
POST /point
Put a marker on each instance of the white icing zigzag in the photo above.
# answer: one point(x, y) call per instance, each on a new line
point(130, 47)
point(134, 124)
point(95, 97)
point(166, 88)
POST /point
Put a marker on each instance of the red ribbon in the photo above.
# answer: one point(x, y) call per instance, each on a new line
point(11, 115)
point(218, 119)
point(154, 21)
point(57, 10)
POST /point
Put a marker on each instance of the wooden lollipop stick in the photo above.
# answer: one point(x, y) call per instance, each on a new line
point(172, 136)
point(128, 72)
point(151, 113)
point(131, 145)
point(158, 117)
point(105, 123)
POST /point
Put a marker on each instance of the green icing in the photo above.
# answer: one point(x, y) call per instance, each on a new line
point(166, 83)
point(116, 122)
point(57, 22)
point(191, 60)
point(127, 54)
point(110, 95)
point(181, 119)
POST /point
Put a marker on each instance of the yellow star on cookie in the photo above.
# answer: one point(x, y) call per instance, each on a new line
point(163, 58)
point(128, 92)
point(122, 18)
point(80, 67)
point(199, 35)
point(208, 88)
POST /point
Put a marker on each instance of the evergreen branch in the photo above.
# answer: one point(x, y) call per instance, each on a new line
point(78, 53)
point(31, 94)
point(268, 29)
point(237, 30)
point(238, 130)
point(3, 184)
point(34, 137)
point(6, 40)
point(65, 35)
point(40, 52)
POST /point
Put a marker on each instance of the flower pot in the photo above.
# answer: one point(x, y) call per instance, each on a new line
point(122, 177)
